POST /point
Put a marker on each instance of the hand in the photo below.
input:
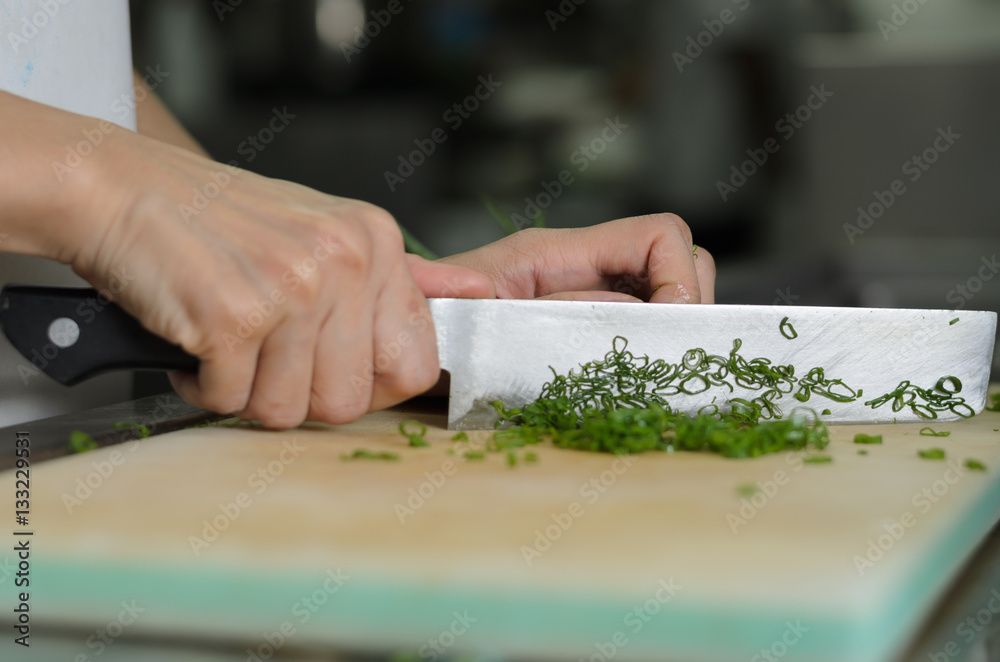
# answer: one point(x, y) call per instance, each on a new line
point(299, 304)
point(648, 258)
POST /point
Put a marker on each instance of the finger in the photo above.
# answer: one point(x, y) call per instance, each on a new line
point(439, 281)
point(672, 274)
point(343, 370)
point(704, 265)
point(225, 376)
point(280, 395)
point(592, 295)
point(406, 357)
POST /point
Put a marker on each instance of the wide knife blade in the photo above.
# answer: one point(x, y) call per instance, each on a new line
point(503, 350)
point(506, 350)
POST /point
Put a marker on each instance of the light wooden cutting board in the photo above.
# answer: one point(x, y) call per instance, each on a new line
point(656, 560)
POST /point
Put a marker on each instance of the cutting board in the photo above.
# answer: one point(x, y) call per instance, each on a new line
point(263, 539)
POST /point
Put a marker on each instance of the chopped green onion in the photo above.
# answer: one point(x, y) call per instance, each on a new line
point(817, 459)
point(932, 454)
point(954, 321)
point(747, 490)
point(474, 455)
point(929, 432)
point(416, 436)
point(787, 329)
point(862, 452)
point(362, 454)
point(975, 465)
point(868, 439)
point(81, 442)
point(460, 436)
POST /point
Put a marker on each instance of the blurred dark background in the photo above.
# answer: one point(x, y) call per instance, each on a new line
point(702, 87)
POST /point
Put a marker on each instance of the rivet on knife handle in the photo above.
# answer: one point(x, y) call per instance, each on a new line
point(73, 334)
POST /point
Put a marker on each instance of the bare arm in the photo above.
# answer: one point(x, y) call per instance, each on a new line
point(157, 122)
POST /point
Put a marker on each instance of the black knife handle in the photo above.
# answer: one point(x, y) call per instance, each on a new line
point(73, 334)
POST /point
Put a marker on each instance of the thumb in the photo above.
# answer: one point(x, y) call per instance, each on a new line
point(445, 281)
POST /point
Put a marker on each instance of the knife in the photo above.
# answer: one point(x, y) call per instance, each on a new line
point(507, 349)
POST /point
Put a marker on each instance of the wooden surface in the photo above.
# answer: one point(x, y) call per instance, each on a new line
point(791, 569)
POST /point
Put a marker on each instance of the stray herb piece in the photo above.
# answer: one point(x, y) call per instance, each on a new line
point(817, 459)
point(511, 459)
point(826, 412)
point(863, 452)
point(530, 457)
point(460, 436)
point(694, 250)
point(926, 403)
point(868, 439)
point(995, 398)
point(141, 430)
point(362, 454)
point(975, 465)
point(932, 454)
point(929, 432)
point(81, 442)
point(474, 455)
point(954, 321)
point(414, 431)
point(415, 246)
point(788, 330)
point(747, 490)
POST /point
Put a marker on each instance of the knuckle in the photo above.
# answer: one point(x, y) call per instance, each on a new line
point(338, 411)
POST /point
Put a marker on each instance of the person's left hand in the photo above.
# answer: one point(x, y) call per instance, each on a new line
point(647, 258)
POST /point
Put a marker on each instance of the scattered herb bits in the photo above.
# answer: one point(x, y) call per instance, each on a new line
point(975, 465)
point(460, 436)
point(362, 454)
point(747, 490)
point(818, 459)
point(929, 432)
point(414, 431)
point(826, 412)
point(530, 457)
point(788, 330)
point(868, 439)
point(932, 454)
point(475, 455)
point(511, 459)
point(141, 431)
point(927, 402)
point(81, 442)
point(953, 322)
point(995, 399)
point(863, 451)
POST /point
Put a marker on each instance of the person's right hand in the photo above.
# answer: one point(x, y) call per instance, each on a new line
point(299, 304)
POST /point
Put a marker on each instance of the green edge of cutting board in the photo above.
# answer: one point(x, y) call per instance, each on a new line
point(367, 610)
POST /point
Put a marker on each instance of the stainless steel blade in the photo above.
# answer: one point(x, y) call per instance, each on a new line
point(503, 350)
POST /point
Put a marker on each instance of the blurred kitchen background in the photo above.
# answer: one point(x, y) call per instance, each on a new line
point(698, 83)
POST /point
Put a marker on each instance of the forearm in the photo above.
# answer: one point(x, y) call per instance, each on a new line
point(48, 171)
point(157, 122)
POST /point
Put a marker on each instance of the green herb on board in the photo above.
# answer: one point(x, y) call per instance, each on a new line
point(511, 459)
point(530, 457)
point(929, 432)
point(747, 490)
point(817, 459)
point(975, 465)
point(954, 321)
point(995, 399)
point(862, 451)
point(362, 454)
point(414, 431)
point(460, 436)
point(826, 412)
point(81, 442)
point(868, 439)
point(141, 430)
point(932, 454)
point(474, 455)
